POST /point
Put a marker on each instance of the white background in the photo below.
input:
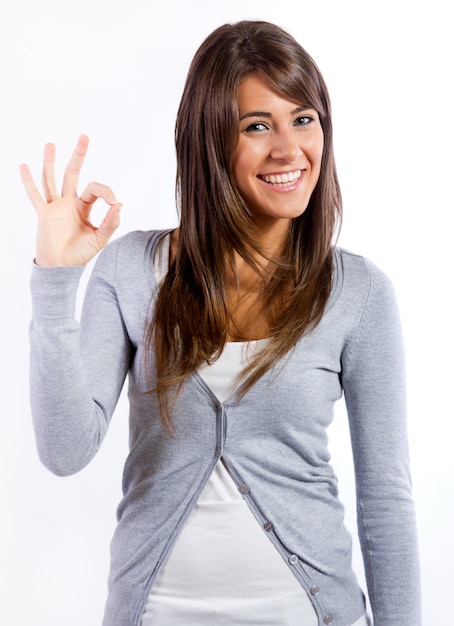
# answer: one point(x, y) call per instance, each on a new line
point(115, 70)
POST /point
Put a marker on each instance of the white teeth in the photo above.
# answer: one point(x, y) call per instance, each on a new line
point(288, 177)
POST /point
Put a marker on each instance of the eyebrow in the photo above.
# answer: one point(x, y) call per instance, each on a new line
point(268, 115)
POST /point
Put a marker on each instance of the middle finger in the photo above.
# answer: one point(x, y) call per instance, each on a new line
point(71, 177)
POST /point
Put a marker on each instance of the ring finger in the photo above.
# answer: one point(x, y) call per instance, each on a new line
point(49, 186)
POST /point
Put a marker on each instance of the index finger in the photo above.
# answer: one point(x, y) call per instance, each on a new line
point(71, 177)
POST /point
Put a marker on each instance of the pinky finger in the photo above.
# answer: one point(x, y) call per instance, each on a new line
point(32, 191)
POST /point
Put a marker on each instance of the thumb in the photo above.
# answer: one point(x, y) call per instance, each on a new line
point(110, 222)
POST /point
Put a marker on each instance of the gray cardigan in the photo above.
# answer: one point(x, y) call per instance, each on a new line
point(274, 440)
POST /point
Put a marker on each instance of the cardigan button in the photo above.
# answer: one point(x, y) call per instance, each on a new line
point(328, 619)
point(268, 526)
point(293, 559)
point(315, 590)
point(244, 489)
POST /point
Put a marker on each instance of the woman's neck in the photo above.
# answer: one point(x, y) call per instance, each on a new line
point(245, 287)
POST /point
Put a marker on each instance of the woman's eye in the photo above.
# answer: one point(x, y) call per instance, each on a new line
point(257, 127)
point(304, 120)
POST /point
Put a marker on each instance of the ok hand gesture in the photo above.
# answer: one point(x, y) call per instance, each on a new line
point(65, 234)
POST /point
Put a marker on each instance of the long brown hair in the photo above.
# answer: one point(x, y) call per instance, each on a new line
point(191, 317)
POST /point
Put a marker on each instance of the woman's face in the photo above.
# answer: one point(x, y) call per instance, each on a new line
point(277, 160)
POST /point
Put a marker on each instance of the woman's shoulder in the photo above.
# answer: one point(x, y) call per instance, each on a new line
point(130, 254)
point(136, 241)
point(133, 244)
point(358, 268)
point(359, 278)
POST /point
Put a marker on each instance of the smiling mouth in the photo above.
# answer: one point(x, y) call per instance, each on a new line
point(284, 179)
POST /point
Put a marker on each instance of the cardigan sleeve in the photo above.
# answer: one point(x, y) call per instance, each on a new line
point(77, 370)
point(373, 377)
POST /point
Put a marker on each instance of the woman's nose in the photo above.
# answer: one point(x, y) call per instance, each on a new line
point(285, 146)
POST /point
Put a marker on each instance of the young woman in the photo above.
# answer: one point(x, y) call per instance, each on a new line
point(238, 331)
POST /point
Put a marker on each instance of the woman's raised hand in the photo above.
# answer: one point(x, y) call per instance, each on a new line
point(65, 234)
